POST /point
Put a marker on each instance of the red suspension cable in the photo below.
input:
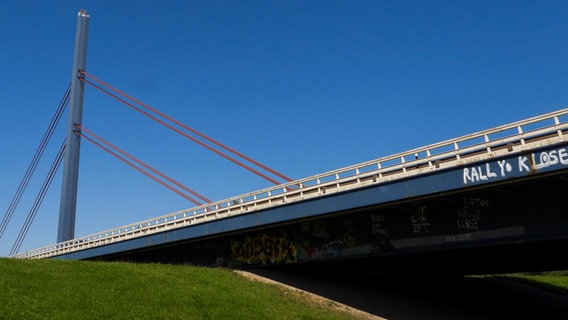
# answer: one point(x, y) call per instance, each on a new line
point(182, 133)
point(143, 164)
point(78, 132)
point(189, 128)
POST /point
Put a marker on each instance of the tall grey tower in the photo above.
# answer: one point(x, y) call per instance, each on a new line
point(67, 207)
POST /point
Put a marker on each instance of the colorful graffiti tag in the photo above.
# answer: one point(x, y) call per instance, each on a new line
point(263, 249)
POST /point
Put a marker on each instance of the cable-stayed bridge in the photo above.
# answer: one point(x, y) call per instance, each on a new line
point(498, 188)
point(490, 200)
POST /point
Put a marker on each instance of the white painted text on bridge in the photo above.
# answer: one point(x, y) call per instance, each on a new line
point(520, 165)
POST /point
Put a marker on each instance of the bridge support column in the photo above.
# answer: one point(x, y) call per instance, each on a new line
point(67, 207)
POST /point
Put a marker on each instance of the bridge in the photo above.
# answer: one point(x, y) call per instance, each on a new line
point(489, 201)
point(496, 192)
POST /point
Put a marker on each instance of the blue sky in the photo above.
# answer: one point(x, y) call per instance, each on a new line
point(303, 87)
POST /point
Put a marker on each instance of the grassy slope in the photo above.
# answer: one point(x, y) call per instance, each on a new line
point(49, 289)
point(555, 280)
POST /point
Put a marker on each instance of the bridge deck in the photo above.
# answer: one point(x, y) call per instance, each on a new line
point(514, 138)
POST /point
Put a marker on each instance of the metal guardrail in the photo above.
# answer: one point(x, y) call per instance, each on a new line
point(543, 130)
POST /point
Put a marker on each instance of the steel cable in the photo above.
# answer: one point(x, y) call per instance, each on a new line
point(33, 164)
point(38, 200)
point(149, 175)
point(187, 128)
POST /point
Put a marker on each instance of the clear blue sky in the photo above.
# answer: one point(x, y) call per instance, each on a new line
point(304, 87)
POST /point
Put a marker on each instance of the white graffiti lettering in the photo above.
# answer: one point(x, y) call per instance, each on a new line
point(475, 174)
point(504, 166)
point(523, 164)
point(550, 158)
point(530, 163)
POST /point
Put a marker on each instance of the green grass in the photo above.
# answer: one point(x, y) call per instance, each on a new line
point(52, 289)
point(552, 280)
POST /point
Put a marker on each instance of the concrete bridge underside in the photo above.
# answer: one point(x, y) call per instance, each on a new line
point(509, 226)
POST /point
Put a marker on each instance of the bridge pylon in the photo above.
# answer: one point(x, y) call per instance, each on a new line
point(67, 207)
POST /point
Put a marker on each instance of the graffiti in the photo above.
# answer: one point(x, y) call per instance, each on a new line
point(314, 240)
point(326, 250)
point(319, 230)
point(479, 173)
point(420, 222)
point(315, 229)
point(549, 158)
point(319, 241)
point(349, 240)
point(522, 164)
point(347, 225)
point(264, 249)
point(468, 216)
point(378, 225)
point(379, 241)
point(475, 203)
point(471, 222)
point(458, 237)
